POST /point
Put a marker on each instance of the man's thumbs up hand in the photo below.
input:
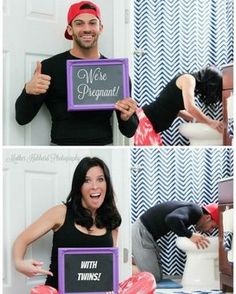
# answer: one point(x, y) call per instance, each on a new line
point(39, 83)
point(38, 69)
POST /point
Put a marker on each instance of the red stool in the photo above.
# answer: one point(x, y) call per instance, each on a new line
point(139, 283)
point(42, 289)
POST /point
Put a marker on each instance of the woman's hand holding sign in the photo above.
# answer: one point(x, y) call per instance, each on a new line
point(39, 83)
point(127, 107)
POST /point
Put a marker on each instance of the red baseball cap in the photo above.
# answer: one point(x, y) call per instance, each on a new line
point(213, 210)
point(75, 10)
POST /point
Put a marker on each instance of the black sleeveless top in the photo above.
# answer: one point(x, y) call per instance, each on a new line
point(165, 108)
point(68, 236)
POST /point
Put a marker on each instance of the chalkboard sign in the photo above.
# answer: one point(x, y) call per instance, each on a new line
point(87, 270)
point(96, 84)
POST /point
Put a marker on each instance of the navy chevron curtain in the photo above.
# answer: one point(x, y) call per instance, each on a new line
point(174, 36)
point(189, 174)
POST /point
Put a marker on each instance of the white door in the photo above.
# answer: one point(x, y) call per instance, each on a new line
point(34, 30)
point(35, 180)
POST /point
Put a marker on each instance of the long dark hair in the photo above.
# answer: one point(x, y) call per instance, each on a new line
point(208, 84)
point(107, 215)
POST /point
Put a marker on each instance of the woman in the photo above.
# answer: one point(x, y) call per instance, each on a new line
point(88, 218)
point(178, 99)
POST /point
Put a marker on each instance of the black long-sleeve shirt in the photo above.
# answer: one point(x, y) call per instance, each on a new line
point(175, 216)
point(69, 127)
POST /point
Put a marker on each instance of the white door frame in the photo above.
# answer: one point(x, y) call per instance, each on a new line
point(122, 44)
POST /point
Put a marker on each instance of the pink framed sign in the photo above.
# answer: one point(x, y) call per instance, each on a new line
point(88, 270)
point(96, 84)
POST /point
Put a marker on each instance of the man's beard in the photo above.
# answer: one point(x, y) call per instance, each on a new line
point(83, 45)
point(198, 228)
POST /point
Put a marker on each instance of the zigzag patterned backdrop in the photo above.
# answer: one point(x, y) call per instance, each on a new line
point(179, 36)
point(185, 174)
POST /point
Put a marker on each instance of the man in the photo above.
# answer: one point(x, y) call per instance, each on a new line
point(157, 221)
point(48, 85)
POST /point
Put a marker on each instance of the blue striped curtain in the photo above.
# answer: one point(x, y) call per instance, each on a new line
point(183, 174)
point(177, 36)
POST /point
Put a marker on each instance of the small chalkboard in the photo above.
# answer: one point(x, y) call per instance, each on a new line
point(96, 84)
point(88, 270)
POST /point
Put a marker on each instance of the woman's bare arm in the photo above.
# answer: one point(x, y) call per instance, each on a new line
point(50, 220)
point(115, 236)
point(187, 84)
